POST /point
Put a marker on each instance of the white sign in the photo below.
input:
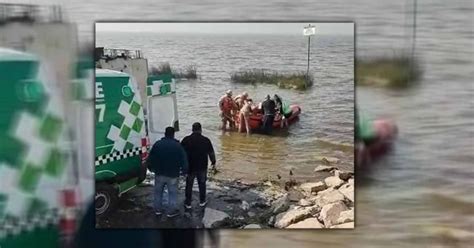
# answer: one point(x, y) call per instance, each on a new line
point(310, 30)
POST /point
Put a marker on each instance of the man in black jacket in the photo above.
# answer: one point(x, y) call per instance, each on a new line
point(269, 110)
point(198, 148)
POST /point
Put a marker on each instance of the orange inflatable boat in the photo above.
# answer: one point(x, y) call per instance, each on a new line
point(256, 119)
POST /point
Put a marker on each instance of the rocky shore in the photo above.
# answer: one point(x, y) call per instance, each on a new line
point(321, 204)
point(328, 203)
point(324, 204)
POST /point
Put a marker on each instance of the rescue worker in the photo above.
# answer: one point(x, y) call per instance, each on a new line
point(245, 112)
point(240, 99)
point(364, 129)
point(284, 109)
point(365, 135)
point(227, 107)
point(269, 110)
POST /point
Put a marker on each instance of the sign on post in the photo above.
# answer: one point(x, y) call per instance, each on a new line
point(309, 30)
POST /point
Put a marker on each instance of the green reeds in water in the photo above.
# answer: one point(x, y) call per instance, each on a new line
point(297, 80)
point(189, 72)
point(389, 71)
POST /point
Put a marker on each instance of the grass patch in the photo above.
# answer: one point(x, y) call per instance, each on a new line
point(389, 71)
point(298, 80)
point(189, 72)
point(164, 68)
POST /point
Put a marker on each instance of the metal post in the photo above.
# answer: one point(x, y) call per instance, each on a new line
point(413, 45)
point(308, 31)
point(414, 31)
point(309, 47)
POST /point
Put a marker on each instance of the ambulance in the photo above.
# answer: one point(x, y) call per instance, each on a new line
point(40, 167)
point(123, 133)
point(37, 184)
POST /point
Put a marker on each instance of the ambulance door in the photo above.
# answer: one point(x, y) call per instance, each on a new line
point(162, 107)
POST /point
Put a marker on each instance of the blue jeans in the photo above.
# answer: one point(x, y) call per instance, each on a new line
point(172, 185)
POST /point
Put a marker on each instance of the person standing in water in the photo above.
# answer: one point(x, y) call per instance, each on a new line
point(227, 106)
point(241, 99)
point(269, 110)
point(245, 112)
point(284, 110)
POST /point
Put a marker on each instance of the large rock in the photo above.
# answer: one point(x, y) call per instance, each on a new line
point(348, 191)
point(327, 196)
point(295, 195)
point(305, 203)
point(331, 212)
point(259, 204)
point(321, 168)
point(252, 226)
point(330, 160)
point(346, 216)
point(343, 175)
point(287, 218)
point(306, 224)
point(271, 221)
point(213, 217)
point(344, 226)
point(334, 182)
point(309, 188)
point(272, 192)
point(245, 206)
point(281, 204)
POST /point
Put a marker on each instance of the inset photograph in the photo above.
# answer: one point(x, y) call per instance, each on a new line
point(224, 125)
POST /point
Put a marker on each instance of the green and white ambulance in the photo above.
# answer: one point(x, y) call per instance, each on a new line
point(35, 187)
point(123, 133)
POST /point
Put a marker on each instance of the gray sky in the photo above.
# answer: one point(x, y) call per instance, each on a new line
point(227, 28)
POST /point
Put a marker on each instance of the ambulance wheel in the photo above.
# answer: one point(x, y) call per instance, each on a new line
point(106, 197)
point(142, 174)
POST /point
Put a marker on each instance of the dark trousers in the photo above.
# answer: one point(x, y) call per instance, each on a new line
point(267, 126)
point(201, 178)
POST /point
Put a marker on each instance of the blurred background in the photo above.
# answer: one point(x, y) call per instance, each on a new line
point(421, 193)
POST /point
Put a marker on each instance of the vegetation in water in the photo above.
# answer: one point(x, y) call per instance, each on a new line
point(189, 72)
point(164, 68)
point(297, 80)
point(387, 71)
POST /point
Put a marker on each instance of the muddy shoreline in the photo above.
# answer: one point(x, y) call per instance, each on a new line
point(274, 203)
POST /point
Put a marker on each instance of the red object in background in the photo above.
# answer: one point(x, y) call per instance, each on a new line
point(67, 221)
point(256, 119)
point(386, 133)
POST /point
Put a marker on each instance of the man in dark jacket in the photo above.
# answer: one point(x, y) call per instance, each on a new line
point(166, 159)
point(269, 110)
point(198, 148)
